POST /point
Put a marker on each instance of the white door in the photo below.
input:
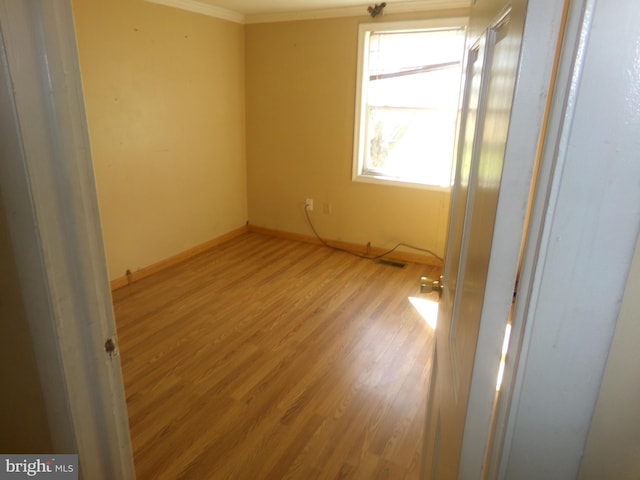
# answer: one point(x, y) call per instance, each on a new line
point(490, 79)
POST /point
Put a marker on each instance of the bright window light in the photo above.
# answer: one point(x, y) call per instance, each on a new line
point(503, 359)
point(409, 86)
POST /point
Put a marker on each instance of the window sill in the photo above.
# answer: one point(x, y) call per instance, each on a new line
point(395, 182)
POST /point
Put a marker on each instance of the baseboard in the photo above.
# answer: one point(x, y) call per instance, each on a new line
point(131, 277)
point(119, 283)
point(351, 247)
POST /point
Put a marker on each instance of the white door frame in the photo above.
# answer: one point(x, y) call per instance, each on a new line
point(581, 238)
point(583, 229)
point(48, 187)
point(541, 27)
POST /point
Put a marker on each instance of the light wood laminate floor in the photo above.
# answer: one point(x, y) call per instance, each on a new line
point(271, 359)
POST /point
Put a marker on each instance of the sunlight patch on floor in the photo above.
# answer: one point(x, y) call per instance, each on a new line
point(428, 309)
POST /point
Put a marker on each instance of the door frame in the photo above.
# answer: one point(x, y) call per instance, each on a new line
point(540, 31)
point(47, 184)
point(585, 220)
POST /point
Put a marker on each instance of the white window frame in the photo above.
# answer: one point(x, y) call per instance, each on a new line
point(364, 30)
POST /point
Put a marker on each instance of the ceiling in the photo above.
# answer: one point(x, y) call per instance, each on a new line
point(261, 11)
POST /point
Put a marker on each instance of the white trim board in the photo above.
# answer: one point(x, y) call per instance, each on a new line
point(586, 222)
point(47, 184)
point(315, 14)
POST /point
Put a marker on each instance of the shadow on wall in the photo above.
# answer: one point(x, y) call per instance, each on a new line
point(23, 420)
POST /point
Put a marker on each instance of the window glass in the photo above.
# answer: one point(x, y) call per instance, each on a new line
point(410, 84)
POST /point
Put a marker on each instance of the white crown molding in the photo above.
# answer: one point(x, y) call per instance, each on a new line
point(203, 8)
point(224, 14)
point(401, 7)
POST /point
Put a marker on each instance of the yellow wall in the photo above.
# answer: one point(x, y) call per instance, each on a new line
point(164, 93)
point(301, 84)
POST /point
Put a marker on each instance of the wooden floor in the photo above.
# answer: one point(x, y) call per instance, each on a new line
point(271, 359)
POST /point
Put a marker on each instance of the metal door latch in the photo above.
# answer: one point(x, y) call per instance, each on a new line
point(428, 286)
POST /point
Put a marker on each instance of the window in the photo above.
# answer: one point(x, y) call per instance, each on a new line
point(409, 78)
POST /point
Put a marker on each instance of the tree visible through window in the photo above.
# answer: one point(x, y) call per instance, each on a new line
point(409, 85)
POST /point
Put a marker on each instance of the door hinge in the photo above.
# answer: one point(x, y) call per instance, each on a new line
point(110, 347)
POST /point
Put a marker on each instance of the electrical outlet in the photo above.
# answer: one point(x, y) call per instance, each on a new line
point(308, 204)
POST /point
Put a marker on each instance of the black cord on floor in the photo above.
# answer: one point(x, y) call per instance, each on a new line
point(368, 257)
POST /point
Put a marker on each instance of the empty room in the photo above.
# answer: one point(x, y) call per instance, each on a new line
point(248, 348)
point(288, 239)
